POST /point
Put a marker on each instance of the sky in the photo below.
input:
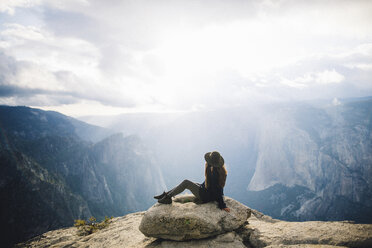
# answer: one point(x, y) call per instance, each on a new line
point(94, 57)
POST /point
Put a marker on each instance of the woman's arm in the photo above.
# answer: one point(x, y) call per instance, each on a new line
point(217, 190)
point(221, 202)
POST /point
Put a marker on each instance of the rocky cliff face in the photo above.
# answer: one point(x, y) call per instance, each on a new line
point(33, 200)
point(327, 151)
point(257, 231)
point(50, 175)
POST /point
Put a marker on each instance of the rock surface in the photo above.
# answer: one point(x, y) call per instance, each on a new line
point(124, 232)
point(186, 220)
point(262, 231)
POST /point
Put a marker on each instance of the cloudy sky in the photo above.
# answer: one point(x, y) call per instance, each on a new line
point(84, 57)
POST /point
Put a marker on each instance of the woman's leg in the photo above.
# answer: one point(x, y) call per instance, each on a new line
point(186, 184)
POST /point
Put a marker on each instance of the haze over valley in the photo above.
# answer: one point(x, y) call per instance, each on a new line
point(294, 161)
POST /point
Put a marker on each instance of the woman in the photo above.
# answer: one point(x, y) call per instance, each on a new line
point(210, 190)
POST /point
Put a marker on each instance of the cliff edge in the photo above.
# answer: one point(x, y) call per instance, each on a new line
point(258, 230)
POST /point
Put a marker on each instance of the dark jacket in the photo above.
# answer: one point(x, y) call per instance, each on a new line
point(214, 192)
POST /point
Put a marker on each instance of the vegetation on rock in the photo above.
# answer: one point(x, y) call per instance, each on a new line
point(91, 225)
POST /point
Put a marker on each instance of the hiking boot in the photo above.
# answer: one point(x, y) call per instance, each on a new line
point(160, 196)
point(166, 199)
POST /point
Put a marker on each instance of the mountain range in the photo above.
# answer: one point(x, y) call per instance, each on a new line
point(292, 161)
point(55, 169)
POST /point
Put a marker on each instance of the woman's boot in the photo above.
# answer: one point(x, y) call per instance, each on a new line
point(160, 196)
point(166, 199)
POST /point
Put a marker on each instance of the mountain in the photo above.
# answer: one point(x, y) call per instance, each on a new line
point(28, 124)
point(53, 173)
point(293, 161)
point(313, 159)
point(180, 140)
point(327, 152)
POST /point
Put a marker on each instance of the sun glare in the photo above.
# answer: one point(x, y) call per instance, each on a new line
point(242, 46)
point(197, 51)
point(193, 59)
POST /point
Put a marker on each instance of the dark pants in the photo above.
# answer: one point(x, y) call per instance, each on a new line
point(186, 184)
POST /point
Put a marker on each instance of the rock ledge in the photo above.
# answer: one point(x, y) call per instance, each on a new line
point(186, 220)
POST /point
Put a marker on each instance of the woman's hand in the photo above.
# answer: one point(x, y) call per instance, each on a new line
point(226, 209)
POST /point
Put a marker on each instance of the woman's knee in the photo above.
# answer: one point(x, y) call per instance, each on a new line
point(186, 182)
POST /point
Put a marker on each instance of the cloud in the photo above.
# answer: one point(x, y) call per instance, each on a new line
point(9, 6)
point(182, 55)
point(361, 66)
point(329, 77)
point(309, 79)
point(10, 90)
point(30, 43)
point(24, 82)
point(293, 83)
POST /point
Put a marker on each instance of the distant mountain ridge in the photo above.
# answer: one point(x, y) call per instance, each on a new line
point(293, 161)
point(312, 159)
point(328, 151)
point(52, 173)
point(16, 121)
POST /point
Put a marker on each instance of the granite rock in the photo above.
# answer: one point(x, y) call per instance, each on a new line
point(186, 220)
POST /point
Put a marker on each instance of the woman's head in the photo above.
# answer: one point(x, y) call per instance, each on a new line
point(214, 161)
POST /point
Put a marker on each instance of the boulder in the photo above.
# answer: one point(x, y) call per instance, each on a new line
point(186, 220)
